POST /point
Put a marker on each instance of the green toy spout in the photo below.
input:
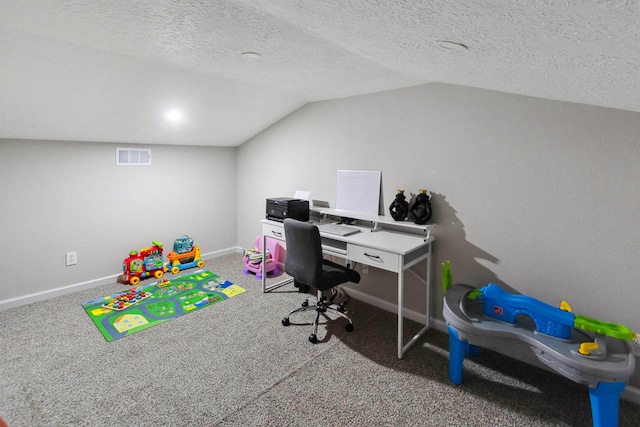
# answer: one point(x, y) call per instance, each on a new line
point(447, 280)
point(613, 330)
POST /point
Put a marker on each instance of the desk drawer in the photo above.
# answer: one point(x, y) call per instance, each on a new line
point(374, 257)
point(273, 231)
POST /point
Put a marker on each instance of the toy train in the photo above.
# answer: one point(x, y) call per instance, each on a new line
point(146, 263)
point(149, 262)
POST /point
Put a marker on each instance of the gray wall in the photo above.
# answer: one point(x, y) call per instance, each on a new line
point(537, 195)
point(59, 197)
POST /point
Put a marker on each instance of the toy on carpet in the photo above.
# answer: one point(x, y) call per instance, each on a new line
point(584, 350)
point(128, 312)
point(126, 299)
point(253, 258)
point(185, 255)
point(146, 263)
point(164, 283)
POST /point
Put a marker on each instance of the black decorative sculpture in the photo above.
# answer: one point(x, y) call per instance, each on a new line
point(420, 211)
point(399, 208)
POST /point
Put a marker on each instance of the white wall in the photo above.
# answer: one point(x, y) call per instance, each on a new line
point(537, 195)
point(59, 197)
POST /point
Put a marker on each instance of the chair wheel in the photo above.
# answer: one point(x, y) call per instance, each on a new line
point(313, 338)
point(342, 309)
point(305, 303)
point(349, 327)
point(285, 321)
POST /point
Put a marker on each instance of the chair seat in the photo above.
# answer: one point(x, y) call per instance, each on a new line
point(334, 274)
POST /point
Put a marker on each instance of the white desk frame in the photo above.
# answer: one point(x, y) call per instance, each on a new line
point(384, 244)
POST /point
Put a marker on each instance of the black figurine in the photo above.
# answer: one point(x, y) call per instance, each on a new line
point(399, 208)
point(421, 209)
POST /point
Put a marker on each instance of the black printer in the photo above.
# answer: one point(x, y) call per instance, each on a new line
point(279, 208)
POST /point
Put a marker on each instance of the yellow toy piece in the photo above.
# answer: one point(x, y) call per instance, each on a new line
point(587, 347)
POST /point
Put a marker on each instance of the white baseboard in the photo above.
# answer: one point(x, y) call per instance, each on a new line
point(221, 252)
point(64, 290)
point(436, 324)
point(52, 293)
point(630, 393)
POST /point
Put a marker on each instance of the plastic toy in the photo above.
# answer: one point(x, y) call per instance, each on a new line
point(163, 283)
point(549, 320)
point(126, 299)
point(584, 350)
point(183, 244)
point(148, 262)
point(253, 258)
point(153, 303)
point(185, 255)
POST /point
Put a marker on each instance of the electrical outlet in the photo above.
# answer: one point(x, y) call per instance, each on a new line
point(635, 346)
point(365, 269)
point(71, 258)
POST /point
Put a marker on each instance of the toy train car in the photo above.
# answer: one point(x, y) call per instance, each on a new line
point(141, 265)
point(181, 261)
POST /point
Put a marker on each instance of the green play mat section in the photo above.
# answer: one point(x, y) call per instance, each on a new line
point(142, 307)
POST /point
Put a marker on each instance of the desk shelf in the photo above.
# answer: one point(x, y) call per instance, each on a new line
point(380, 222)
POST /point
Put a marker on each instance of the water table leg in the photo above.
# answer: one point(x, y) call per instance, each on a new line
point(604, 403)
point(458, 349)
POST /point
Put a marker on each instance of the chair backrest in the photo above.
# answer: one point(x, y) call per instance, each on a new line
point(304, 252)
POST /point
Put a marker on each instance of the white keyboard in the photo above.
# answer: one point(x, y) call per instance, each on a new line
point(339, 229)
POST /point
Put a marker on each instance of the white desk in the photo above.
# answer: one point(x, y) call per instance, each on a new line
point(386, 245)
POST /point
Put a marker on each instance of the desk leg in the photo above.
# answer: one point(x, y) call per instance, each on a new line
point(263, 280)
point(427, 310)
point(400, 315)
point(264, 264)
point(402, 348)
point(266, 288)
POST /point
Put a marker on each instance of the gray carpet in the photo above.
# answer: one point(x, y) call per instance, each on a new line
point(234, 364)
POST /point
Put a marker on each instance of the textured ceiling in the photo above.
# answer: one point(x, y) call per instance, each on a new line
point(107, 71)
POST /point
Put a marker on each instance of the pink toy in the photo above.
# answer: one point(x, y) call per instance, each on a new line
point(253, 263)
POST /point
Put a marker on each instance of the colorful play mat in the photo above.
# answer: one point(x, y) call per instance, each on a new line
point(142, 307)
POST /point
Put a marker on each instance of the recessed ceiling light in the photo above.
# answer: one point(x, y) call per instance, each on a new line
point(251, 55)
point(174, 115)
point(447, 44)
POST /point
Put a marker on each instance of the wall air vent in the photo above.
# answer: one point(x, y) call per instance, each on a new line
point(133, 157)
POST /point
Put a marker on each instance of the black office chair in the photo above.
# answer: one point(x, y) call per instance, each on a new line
point(304, 262)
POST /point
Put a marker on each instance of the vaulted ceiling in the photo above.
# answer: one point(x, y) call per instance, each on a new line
point(110, 70)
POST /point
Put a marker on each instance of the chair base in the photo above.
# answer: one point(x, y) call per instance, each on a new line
point(320, 305)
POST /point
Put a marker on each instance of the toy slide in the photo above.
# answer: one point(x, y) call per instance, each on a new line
point(549, 320)
point(505, 306)
point(584, 350)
